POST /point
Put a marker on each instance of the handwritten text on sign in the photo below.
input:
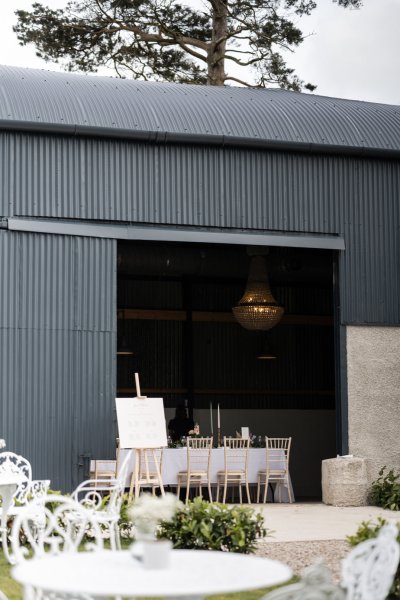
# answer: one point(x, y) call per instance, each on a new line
point(141, 422)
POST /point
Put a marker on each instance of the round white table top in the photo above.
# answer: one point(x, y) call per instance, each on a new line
point(117, 573)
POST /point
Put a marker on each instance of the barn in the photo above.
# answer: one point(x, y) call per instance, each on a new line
point(133, 218)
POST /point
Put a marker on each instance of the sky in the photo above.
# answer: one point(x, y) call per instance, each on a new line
point(347, 53)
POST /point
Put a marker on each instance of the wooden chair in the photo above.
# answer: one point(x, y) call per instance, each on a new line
point(198, 471)
point(104, 469)
point(235, 473)
point(369, 568)
point(107, 468)
point(58, 524)
point(150, 469)
point(277, 466)
point(90, 494)
point(315, 584)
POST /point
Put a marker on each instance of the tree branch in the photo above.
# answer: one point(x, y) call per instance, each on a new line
point(245, 83)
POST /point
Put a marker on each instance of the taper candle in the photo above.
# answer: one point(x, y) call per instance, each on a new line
point(137, 385)
point(218, 418)
point(211, 418)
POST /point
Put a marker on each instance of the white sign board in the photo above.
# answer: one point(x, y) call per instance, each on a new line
point(141, 422)
point(245, 432)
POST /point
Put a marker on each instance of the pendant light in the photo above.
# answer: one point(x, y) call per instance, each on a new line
point(258, 310)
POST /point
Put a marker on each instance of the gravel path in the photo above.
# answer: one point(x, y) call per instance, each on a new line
point(299, 555)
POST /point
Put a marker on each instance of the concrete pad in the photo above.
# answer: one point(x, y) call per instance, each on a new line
point(317, 521)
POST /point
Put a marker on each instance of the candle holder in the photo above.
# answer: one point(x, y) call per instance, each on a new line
point(219, 437)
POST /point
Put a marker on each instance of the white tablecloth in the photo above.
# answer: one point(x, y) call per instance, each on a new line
point(175, 460)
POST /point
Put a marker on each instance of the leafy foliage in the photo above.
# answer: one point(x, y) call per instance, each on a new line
point(385, 491)
point(369, 530)
point(206, 526)
point(170, 40)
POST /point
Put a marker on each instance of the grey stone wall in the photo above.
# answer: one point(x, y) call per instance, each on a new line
point(373, 371)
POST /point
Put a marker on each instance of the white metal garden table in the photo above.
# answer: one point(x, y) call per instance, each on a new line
point(193, 574)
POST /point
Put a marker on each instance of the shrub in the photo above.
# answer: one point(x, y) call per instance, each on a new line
point(368, 530)
point(202, 525)
point(385, 491)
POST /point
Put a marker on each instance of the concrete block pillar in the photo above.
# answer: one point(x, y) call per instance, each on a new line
point(344, 482)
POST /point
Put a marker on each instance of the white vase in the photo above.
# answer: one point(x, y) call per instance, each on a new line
point(156, 554)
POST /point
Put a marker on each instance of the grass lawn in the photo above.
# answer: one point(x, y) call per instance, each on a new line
point(14, 592)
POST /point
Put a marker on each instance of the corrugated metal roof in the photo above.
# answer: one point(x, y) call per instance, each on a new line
point(38, 96)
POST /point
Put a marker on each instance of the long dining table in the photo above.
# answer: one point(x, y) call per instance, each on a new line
point(175, 460)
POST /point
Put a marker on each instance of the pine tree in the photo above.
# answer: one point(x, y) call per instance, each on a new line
point(168, 40)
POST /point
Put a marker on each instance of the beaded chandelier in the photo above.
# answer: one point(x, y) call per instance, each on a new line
point(258, 309)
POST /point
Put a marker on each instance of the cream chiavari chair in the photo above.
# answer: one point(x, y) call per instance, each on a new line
point(106, 469)
point(198, 473)
point(235, 473)
point(277, 466)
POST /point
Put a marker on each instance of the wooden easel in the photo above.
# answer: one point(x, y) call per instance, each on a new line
point(136, 480)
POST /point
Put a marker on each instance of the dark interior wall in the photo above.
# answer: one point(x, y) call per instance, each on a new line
point(225, 365)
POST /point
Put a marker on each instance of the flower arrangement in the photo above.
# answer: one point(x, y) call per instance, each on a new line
point(147, 512)
point(257, 441)
point(195, 432)
point(176, 443)
point(2, 444)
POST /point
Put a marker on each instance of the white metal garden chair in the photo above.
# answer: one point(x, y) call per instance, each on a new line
point(3, 596)
point(367, 573)
point(63, 526)
point(315, 584)
point(103, 498)
point(13, 464)
point(19, 468)
point(369, 569)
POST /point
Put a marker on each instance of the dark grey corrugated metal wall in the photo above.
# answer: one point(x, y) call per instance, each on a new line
point(57, 340)
point(109, 180)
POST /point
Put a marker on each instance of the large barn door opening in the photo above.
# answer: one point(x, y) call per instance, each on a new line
point(175, 314)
